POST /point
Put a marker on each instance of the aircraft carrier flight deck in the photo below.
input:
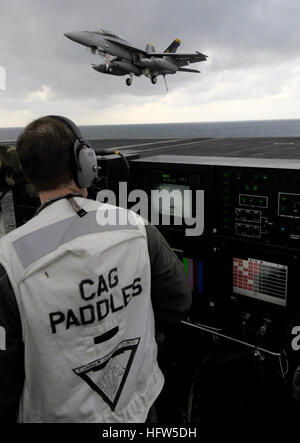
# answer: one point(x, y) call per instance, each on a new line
point(259, 147)
point(276, 147)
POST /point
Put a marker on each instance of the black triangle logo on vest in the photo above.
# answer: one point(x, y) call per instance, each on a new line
point(107, 375)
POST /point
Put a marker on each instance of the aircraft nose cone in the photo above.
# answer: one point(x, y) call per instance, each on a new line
point(71, 35)
point(75, 36)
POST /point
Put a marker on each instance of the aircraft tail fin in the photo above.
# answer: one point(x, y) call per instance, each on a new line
point(150, 47)
point(173, 46)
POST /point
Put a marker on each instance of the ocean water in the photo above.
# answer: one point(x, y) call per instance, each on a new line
point(259, 128)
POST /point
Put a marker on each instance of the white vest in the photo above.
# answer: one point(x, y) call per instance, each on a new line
point(83, 292)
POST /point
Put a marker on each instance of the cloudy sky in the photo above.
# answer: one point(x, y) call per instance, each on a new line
point(253, 70)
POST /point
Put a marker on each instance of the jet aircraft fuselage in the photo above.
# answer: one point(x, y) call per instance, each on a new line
point(132, 60)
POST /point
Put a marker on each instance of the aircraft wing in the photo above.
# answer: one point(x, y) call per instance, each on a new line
point(180, 59)
point(126, 45)
point(188, 70)
point(183, 59)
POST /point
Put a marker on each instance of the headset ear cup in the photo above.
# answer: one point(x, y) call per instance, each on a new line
point(75, 163)
point(87, 166)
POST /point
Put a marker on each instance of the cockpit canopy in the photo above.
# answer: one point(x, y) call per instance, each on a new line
point(109, 34)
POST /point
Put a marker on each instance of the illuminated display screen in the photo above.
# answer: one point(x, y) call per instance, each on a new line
point(194, 272)
point(260, 280)
point(173, 202)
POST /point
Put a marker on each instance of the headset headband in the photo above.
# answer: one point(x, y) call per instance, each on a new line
point(74, 128)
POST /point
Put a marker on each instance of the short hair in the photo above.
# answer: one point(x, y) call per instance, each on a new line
point(45, 150)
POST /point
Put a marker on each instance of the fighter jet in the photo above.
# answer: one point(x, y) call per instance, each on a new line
point(130, 60)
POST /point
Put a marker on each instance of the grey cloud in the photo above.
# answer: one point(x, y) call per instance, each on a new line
point(236, 34)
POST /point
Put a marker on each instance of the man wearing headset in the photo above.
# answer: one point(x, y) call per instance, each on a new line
point(79, 300)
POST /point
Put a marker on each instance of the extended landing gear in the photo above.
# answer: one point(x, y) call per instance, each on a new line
point(129, 80)
point(154, 79)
